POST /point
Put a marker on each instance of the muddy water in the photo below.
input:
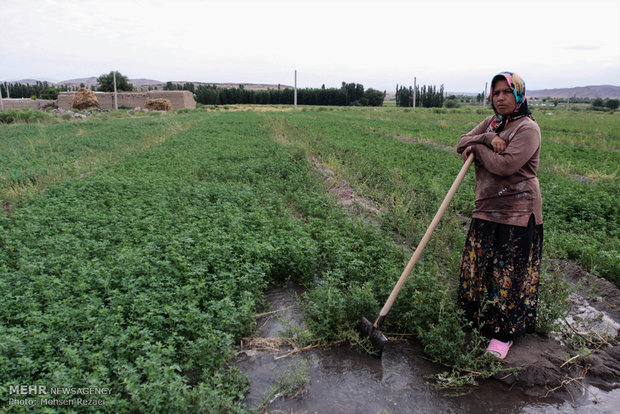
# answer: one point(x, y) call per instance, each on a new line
point(343, 380)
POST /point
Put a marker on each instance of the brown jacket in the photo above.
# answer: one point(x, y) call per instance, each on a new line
point(507, 189)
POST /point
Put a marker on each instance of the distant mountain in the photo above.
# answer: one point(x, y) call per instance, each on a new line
point(249, 86)
point(595, 91)
point(33, 81)
point(92, 81)
point(145, 83)
point(77, 82)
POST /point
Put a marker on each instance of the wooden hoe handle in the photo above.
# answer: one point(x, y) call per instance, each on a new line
point(423, 242)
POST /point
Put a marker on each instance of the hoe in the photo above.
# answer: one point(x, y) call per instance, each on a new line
point(372, 330)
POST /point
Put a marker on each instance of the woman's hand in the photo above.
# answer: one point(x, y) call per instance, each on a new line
point(466, 153)
point(498, 144)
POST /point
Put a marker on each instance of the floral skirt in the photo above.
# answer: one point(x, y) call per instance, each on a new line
point(500, 272)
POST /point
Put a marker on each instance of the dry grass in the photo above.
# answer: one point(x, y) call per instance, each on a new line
point(159, 104)
point(84, 99)
point(258, 343)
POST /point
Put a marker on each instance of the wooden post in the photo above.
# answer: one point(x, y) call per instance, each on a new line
point(115, 94)
point(295, 94)
point(413, 93)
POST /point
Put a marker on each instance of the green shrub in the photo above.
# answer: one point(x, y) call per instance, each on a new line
point(553, 301)
point(49, 93)
point(26, 116)
point(451, 103)
point(7, 117)
point(612, 104)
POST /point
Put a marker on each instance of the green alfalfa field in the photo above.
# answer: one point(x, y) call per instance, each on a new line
point(134, 251)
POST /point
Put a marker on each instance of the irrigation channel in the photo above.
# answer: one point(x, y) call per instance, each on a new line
point(345, 380)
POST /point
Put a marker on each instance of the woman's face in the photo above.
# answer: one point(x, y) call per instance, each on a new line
point(503, 98)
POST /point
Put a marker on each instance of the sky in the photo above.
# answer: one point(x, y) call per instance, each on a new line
point(460, 44)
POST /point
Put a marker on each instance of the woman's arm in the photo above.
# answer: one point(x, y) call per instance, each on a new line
point(518, 152)
point(476, 136)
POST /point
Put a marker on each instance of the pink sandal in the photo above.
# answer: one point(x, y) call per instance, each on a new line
point(499, 349)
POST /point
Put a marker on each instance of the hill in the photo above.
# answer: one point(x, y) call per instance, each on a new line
point(76, 82)
point(593, 91)
point(31, 81)
point(146, 83)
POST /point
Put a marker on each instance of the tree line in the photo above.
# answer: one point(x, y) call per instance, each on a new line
point(611, 104)
point(426, 96)
point(187, 86)
point(349, 94)
point(39, 90)
point(43, 90)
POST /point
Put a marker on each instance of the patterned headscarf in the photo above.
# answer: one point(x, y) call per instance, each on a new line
point(517, 85)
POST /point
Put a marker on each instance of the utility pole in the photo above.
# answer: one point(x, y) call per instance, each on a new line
point(295, 94)
point(115, 94)
point(484, 97)
point(413, 93)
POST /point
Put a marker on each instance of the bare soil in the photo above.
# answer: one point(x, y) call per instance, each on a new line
point(547, 362)
point(345, 195)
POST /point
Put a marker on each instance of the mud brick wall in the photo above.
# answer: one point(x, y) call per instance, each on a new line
point(179, 99)
point(26, 103)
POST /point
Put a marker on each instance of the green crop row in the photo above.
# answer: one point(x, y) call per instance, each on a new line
point(34, 156)
point(142, 276)
point(135, 251)
point(586, 128)
point(407, 164)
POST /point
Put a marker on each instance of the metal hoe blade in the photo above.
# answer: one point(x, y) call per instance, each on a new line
point(377, 339)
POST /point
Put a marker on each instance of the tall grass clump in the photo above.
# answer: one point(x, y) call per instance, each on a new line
point(24, 116)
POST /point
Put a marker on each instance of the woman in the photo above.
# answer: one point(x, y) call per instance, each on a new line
point(500, 267)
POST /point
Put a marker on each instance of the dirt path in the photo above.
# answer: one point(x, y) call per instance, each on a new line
point(346, 197)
